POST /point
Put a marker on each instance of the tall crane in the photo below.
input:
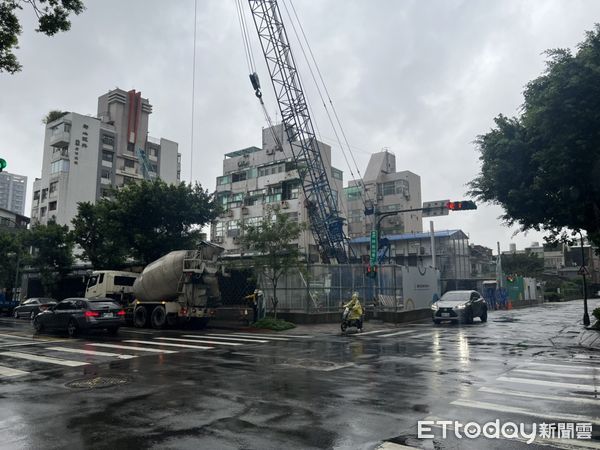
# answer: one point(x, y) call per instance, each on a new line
point(326, 223)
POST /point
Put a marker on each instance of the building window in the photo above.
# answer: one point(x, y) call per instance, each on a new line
point(44, 194)
point(108, 140)
point(53, 186)
point(61, 165)
point(393, 187)
point(43, 211)
point(220, 229)
point(52, 206)
point(223, 180)
point(239, 176)
point(107, 156)
point(352, 193)
point(129, 163)
point(36, 195)
point(105, 173)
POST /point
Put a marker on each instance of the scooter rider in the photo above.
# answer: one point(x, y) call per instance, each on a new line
point(356, 310)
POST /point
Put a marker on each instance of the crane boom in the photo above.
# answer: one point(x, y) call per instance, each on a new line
point(325, 221)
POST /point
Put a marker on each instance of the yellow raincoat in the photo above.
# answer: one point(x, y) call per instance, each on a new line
point(355, 307)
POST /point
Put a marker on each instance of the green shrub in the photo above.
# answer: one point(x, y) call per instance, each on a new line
point(553, 296)
point(273, 324)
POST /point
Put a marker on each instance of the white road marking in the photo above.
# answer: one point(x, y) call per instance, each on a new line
point(199, 341)
point(136, 332)
point(590, 401)
point(131, 347)
point(135, 341)
point(562, 366)
point(421, 335)
point(212, 336)
point(393, 446)
point(525, 412)
point(90, 352)
point(397, 333)
point(581, 387)
point(375, 332)
point(557, 374)
point(300, 336)
point(44, 359)
point(250, 336)
point(16, 336)
point(10, 372)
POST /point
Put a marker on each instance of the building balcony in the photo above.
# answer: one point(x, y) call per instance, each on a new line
point(60, 139)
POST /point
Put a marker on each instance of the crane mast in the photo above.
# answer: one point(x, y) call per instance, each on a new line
point(325, 221)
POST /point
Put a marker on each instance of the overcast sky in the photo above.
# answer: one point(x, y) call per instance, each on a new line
point(422, 78)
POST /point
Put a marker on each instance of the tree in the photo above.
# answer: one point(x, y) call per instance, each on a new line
point(524, 264)
point(97, 232)
point(52, 15)
point(53, 115)
point(273, 242)
point(13, 253)
point(543, 167)
point(144, 221)
point(52, 254)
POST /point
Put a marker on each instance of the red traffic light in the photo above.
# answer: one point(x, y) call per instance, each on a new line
point(462, 205)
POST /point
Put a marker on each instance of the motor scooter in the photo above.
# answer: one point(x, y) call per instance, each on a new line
point(346, 322)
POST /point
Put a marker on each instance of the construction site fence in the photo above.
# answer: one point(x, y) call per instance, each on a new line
point(322, 288)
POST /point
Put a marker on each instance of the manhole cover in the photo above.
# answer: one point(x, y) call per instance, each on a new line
point(98, 382)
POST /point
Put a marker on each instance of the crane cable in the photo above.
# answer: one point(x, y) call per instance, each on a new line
point(328, 98)
point(193, 93)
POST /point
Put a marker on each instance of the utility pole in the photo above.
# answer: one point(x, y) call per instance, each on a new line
point(586, 316)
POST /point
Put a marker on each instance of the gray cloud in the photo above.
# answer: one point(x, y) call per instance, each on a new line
point(423, 78)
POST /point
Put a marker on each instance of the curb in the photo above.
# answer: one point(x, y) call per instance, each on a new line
point(590, 339)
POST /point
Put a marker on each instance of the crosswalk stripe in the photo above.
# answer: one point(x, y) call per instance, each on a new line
point(421, 335)
point(16, 336)
point(525, 412)
point(44, 359)
point(393, 446)
point(557, 374)
point(298, 336)
point(136, 341)
point(212, 336)
point(375, 332)
point(590, 401)
point(10, 372)
point(131, 347)
point(250, 336)
point(562, 366)
point(199, 341)
point(90, 352)
point(397, 333)
point(582, 387)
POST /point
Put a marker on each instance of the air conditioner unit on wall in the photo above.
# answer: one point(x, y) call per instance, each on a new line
point(245, 211)
point(285, 204)
point(229, 213)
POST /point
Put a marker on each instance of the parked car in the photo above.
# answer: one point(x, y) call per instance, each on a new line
point(459, 306)
point(77, 315)
point(32, 307)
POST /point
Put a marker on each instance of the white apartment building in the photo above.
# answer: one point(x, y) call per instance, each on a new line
point(84, 156)
point(13, 189)
point(387, 190)
point(256, 178)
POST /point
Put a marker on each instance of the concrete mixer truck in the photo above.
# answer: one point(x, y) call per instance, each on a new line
point(182, 286)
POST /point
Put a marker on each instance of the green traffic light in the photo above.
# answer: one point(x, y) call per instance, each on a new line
point(2, 164)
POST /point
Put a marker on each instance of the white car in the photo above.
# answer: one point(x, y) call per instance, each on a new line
point(459, 306)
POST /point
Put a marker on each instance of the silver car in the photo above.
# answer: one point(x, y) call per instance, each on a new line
point(459, 306)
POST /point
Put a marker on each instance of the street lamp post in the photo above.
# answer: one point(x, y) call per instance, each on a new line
point(586, 316)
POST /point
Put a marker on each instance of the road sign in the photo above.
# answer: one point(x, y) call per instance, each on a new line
point(374, 247)
point(436, 208)
point(583, 270)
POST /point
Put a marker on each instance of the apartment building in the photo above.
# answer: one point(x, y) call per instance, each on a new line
point(387, 190)
point(13, 189)
point(255, 179)
point(85, 156)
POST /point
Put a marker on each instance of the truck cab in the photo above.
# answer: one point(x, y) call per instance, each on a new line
point(114, 284)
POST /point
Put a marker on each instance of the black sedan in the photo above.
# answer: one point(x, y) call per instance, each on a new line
point(76, 315)
point(32, 307)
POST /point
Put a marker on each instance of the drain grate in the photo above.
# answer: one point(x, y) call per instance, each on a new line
point(97, 382)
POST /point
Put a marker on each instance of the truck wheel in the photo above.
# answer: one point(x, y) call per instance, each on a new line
point(159, 317)
point(140, 317)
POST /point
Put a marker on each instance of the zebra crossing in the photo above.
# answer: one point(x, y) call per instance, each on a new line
point(23, 356)
point(569, 392)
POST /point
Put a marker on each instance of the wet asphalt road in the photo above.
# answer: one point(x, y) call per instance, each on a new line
point(309, 388)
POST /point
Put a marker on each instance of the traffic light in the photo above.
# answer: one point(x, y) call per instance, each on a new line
point(2, 164)
point(371, 271)
point(462, 205)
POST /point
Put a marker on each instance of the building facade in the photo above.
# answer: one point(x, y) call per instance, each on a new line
point(12, 221)
point(85, 156)
point(255, 179)
point(387, 190)
point(13, 189)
